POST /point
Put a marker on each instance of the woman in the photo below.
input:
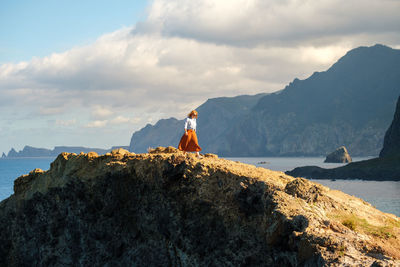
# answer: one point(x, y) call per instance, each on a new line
point(189, 141)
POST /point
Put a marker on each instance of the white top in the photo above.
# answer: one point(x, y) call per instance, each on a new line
point(190, 124)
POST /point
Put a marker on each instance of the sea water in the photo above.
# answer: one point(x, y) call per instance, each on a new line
point(384, 195)
point(10, 169)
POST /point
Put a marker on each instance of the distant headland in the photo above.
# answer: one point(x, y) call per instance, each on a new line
point(34, 152)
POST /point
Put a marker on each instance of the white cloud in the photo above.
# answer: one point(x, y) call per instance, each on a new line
point(100, 112)
point(188, 51)
point(124, 120)
point(118, 120)
point(272, 22)
point(97, 124)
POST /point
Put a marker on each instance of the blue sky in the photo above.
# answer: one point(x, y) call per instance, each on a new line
point(41, 27)
point(90, 73)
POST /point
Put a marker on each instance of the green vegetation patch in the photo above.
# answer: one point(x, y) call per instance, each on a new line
point(350, 223)
point(358, 224)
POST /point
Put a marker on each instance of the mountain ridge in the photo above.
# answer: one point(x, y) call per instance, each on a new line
point(168, 132)
point(349, 104)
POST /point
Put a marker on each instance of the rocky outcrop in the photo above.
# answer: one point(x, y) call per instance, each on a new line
point(12, 153)
point(340, 155)
point(384, 168)
point(391, 144)
point(167, 209)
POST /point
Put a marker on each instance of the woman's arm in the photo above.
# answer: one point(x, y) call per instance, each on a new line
point(186, 125)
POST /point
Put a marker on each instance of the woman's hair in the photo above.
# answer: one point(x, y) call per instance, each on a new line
point(192, 113)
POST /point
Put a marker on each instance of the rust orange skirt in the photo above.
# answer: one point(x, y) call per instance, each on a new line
point(189, 142)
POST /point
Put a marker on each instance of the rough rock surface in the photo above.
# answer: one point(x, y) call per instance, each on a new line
point(166, 209)
point(340, 155)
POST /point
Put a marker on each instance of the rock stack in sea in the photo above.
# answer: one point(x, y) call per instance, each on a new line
point(340, 155)
point(165, 208)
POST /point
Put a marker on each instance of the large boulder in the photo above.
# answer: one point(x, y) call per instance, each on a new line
point(340, 155)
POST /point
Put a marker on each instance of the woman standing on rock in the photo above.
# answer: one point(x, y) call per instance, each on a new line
point(189, 141)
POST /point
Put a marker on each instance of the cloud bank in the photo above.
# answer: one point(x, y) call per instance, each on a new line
point(183, 53)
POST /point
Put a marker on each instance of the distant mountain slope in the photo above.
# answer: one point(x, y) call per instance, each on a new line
point(216, 115)
point(165, 132)
point(350, 104)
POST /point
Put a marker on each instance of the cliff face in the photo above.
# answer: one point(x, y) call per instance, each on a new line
point(391, 144)
point(350, 104)
point(165, 209)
